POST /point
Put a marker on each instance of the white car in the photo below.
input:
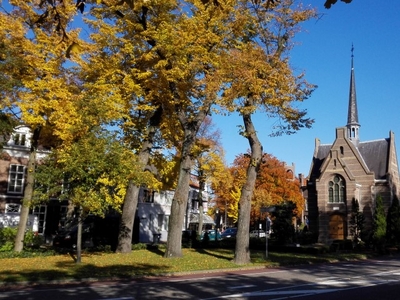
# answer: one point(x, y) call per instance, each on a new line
point(257, 233)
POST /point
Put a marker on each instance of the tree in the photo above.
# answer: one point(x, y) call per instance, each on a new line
point(356, 222)
point(226, 196)
point(393, 223)
point(261, 79)
point(379, 224)
point(92, 174)
point(274, 185)
point(153, 54)
point(7, 124)
point(282, 223)
point(208, 155)
point(39, 91)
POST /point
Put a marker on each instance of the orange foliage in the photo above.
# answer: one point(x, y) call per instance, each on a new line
point(275, 184)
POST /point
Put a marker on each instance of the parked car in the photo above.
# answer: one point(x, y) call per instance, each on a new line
point(229, 233)
point(258, 233)
point(67, 238)
point(211, 235)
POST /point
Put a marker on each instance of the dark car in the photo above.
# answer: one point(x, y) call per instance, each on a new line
point(211, 235)
point(67, 238)
point(229, 233)
point(96, 232)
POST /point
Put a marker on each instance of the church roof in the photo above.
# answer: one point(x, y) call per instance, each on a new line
point(374, 153)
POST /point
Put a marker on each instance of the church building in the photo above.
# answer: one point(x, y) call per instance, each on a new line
point(349, 169)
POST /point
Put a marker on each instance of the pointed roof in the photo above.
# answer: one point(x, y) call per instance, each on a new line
point(352, 116)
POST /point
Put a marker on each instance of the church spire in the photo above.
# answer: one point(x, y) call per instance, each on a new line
point(352, 117)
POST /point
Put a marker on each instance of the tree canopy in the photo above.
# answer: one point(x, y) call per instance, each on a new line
point(275, 185)
point(153, 71)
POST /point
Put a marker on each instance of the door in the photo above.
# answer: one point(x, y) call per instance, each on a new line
point(336, 227)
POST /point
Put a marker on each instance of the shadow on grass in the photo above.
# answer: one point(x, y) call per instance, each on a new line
point(225, 254)
point(156, 249)
point(82, 272)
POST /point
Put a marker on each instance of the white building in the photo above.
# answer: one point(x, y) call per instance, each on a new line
point(153, 211)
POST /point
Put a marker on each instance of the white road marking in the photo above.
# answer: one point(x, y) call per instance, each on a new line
point(241, 287)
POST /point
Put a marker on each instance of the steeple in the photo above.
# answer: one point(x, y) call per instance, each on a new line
point(352, 117)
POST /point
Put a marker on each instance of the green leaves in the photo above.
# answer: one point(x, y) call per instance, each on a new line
point(92, 173)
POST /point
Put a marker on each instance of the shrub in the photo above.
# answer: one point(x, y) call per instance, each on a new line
point(379, 225)
point(7, 239)
point(139, 246)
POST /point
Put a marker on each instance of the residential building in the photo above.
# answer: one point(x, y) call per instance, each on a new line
point(152, 214)
point(13, 161)
point(154, 209)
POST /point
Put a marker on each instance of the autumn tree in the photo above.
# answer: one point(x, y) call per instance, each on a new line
point(277, 185)
point(274, 185)
point(208, 163)
point(39, 91)
point(92, 174)
point(163, 54)
point(224, 197)
point(261, 79)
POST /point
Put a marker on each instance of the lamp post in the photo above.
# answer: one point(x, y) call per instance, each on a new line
point(216, 224)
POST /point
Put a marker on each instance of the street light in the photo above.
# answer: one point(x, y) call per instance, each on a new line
point(216, 224)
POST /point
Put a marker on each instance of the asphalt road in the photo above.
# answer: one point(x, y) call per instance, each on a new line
point(367, 280)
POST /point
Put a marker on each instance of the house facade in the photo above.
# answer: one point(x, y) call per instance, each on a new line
point(349, 169)
point(154, 209)
point(151, 217)
point(13, 168)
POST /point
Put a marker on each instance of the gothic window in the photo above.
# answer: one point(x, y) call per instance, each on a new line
point(341, 150)
point(336, 190)
point(16, 179)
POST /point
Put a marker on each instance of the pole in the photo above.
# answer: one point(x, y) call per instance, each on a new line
point(266, 237)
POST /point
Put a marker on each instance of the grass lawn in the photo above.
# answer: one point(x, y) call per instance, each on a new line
point(145, 263)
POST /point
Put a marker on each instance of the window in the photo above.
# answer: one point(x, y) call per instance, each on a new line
point(40, 212)
point(16, 179)
point(19, 139)
point(13, 208)
point(147, 196)
point(336, 190)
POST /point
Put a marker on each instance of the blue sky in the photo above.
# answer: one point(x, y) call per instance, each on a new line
point(324, 54)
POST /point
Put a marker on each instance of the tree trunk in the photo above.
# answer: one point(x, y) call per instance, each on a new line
point(178, 209)
point(28, 193)
point(79, 238)
point(127, 219)
point(242, 252)
point(132, 193)
point(200, 199)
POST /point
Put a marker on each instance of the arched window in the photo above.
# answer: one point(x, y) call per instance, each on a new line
point(336, 192)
